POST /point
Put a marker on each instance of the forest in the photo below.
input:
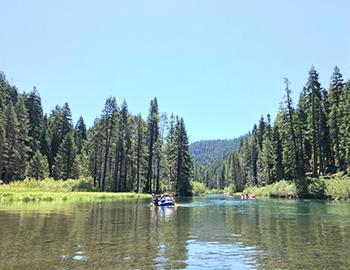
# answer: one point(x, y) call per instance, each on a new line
point(120, 152)
point(208, 152)
point(306, 140)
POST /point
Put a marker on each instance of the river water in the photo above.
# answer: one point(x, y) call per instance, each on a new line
point(214, 232)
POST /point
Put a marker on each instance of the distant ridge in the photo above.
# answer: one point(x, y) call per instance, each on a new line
point(209, 152)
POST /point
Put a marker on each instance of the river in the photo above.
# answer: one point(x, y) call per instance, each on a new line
point(213, 232)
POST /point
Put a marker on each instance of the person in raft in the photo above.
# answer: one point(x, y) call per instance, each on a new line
point(155, 199)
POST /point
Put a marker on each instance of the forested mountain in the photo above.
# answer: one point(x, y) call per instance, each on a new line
point(209, 152)
point(120, 152)
point(311, 138)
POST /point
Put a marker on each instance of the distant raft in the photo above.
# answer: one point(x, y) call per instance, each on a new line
point(166, 201)
point(247, 196)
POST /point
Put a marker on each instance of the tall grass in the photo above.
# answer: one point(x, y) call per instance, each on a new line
point(282, 188)
point(41, 185)
point(59, 190)
point(336, 188)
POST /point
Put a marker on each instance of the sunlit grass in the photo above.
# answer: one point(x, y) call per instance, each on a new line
point(37, 196)
point(51, 190)
point(282, 188)
point(336, 188)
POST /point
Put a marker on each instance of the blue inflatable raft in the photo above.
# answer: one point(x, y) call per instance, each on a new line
point(164, 202)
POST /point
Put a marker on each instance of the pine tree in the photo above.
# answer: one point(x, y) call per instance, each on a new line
point(65, 161)
point(313, 89)
point(152, 138)
point(108, 123)
point(45, 143)
point(265, 172)
point(38, 166)
point(334, 117)
point(2, 145)
point(35, 115)
point(60, 124)
point(170, 150)
point(21, 146)
point(80, 134)
point(95, 147)
point(290, 122)
point(184, 162)
point(140, 152)
point(278, 168)
point(10, 151)
point(344, 129)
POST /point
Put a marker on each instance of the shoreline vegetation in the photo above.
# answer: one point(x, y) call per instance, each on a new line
point(336, 187)
point(48, 190)
point(82, 190)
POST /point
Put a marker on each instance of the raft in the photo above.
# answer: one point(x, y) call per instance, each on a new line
point(164, 202)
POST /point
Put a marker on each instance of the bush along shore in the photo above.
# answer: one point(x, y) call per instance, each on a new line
point(336, 187)
point(81, 190)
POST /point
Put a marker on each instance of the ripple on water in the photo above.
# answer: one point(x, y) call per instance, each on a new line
point(215, 255)
point(79, 258)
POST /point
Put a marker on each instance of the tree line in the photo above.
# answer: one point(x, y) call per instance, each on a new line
point(121, 152)
point(311, 138)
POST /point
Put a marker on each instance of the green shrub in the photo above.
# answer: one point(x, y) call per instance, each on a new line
point(230, 189)
point(85, 184)
point(337, 188)
point(316, 188)
point(282, 188)
point(198, 188)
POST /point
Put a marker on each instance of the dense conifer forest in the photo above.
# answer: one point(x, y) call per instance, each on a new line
point(309, 138)
point(121, 152)
point(208, 152)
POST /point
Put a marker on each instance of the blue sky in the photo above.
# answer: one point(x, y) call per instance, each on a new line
point(219, 64)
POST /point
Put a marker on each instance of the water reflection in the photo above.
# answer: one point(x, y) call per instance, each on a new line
point(204, 233)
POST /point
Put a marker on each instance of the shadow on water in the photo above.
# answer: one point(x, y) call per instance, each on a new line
point(214, 232)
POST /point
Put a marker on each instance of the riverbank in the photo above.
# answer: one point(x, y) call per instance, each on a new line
point(51, 190)
point(335, 188)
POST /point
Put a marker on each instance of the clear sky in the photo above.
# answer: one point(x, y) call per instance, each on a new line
point(219, 64)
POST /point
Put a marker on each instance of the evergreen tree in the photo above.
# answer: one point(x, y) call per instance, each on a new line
point(22, 142)
point(108, 124)
point(10, 151)
point(152, 138)
point(313, 90)
point(65, 161)
point(38, 166)
point(35, 115)
point(2, 145)
point(140, 152)
point(344, 129)
point(290, 122)
point(184, 163)
point(80, 134)
point(45, 143)
point(278, 167)
point(60, 124)
point(334, 117)
point(265, 173)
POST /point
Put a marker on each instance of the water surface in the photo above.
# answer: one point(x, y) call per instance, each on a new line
point(214, 232)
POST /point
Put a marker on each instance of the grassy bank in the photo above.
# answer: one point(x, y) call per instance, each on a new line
point(335, 188)
point(51, 190)
point(280, 189)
